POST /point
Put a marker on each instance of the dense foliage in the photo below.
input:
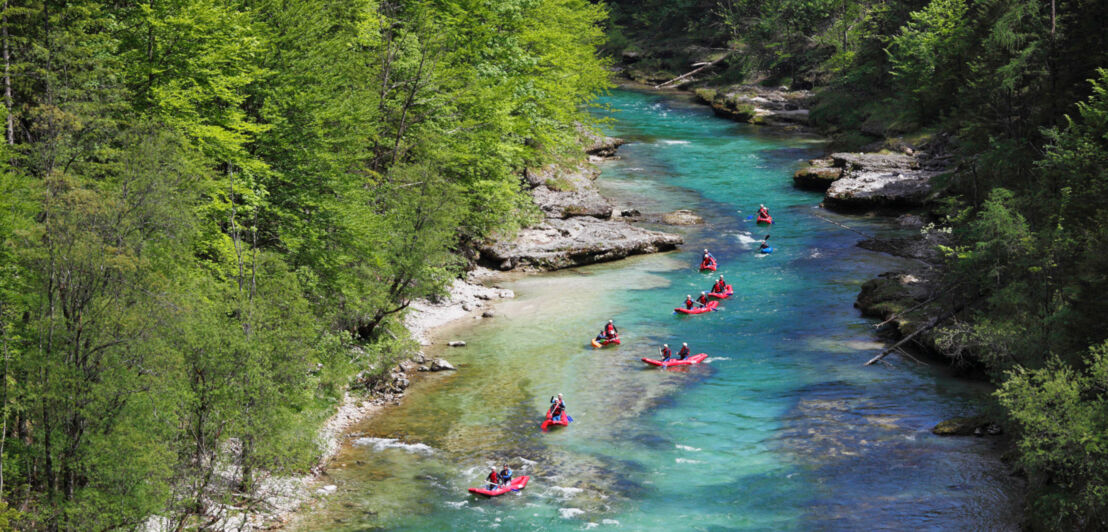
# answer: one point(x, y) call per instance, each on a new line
point(206, 203)
point(1016, 85)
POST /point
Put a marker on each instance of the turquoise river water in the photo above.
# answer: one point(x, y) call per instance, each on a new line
point(782, 429)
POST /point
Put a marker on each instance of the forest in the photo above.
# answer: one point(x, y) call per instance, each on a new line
point(215, 211)
point(1021, 88)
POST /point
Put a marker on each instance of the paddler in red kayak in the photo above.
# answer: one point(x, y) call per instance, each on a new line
point(557, 407)
point(665, 352)
point(703, 299)
point(720, 286)
point(689, 303)
point(493, 479)
point(763, 212)
point(707, 259)
point(610, 330)
point(684, 352)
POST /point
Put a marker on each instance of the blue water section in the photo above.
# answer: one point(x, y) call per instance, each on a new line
point(783, 428)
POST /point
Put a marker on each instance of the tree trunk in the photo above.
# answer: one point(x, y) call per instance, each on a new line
point(7, 95)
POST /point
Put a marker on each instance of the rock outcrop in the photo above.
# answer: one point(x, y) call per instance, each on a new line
point(578, 228)
point(818, 175)
point(881, 179)
point(758, 105)
point(564, 243)
point(682, 217)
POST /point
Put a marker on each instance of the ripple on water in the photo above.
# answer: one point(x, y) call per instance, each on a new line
point(380, 444)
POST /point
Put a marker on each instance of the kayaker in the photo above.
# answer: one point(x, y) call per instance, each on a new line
point(763, 212)
point(684, 352)
point(707, 259)
point(720, 286)
point(493, 479)
point(610, 330)
point(602, 337)
point(506, 475)
point(665, 352)
point(764, 245)
point(557, 407)
point(703, 299)
point(689, 302)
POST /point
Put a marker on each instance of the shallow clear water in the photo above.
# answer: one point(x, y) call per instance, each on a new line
point(782, 429)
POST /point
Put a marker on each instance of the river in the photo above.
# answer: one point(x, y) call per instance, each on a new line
point(782, 429)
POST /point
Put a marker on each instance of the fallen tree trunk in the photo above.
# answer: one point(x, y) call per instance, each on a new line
point(683, 76)
point(934, 323)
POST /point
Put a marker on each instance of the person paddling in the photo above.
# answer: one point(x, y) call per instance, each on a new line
point(557, 407)
point(506, 475)
point(707, 259)
point(764, 245)
point(610, 330)
point(493, 479)
point(684, 352)
point(720, 286)
point(703, 299)
point(665, 352)
point(689, 302)
point(763, 212)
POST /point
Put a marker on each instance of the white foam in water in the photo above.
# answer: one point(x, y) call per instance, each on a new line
point(456, 504)
point(611, 522)
point(747, 239)
point(688, 461)
point(815, 254)
point(674, 141)
point(566, 492)
point(526, 461)
point(570, 513)
point(380, 444)
point(709, 360)
point(590, 525)
point(687, 448)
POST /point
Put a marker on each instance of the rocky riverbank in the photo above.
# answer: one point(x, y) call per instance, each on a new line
point(579, 226)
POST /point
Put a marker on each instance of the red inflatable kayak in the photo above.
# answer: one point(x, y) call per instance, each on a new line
point(517, 484)
point(710, 266)
point(698, 310)
point(598, 345)
point(766, 220)
point(695, 359)
point(562, 421)
point(727, 291)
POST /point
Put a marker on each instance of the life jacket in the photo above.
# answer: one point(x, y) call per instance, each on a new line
point(493, 478)
point(666, 353)
point(610, 330)
point(763, 212)
point(688, 303)
point(719, 287)
point(703, 299)
point(683, 353)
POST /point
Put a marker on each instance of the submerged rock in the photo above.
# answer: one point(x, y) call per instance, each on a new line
point(967, 426)
point(441, 365)
point(456, 343)
point(682, 217)
point(558, 243)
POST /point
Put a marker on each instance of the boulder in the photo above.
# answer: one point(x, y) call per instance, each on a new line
point(816, 177)
point(602, 146)
point(488, 314)
point(456, 343)
point(967, 426)
point(682, 217)
point(585, 201)
point(556, 243)
point(880, 179)
point(441, 365)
